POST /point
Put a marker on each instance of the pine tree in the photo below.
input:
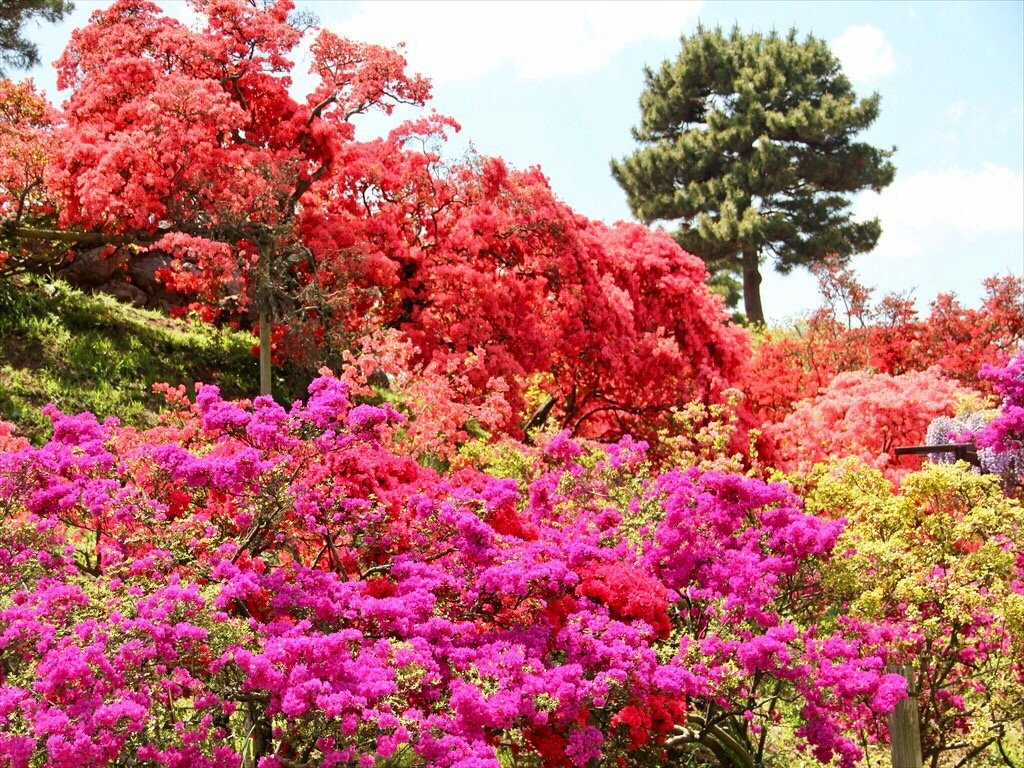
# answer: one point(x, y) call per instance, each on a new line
point(747, 142)
point(15, 50)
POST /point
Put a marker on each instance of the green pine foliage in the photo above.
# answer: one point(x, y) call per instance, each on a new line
point(747, 141)
point(16, 51)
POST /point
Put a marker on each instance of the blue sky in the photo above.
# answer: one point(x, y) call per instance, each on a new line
point(556, 85)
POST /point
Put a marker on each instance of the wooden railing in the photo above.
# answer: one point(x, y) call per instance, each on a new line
point(961, 451)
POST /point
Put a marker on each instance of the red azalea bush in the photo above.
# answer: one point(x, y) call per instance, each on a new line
point(850, 333)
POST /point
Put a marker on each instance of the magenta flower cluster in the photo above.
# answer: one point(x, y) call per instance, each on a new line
point(1006, 432)
point(254, 585)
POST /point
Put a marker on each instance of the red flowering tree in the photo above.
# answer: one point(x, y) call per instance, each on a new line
point(189, 141)
point(498, 286)
point(26, 146)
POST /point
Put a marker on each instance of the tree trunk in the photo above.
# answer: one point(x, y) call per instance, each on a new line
point(905, 725)
point(752, 288)
point(76, 238)
point(259, 736)
point(263, 307)
point(264, 321)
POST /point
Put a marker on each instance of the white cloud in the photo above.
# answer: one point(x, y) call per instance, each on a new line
point(864, 53)
point(956, 110)
point(465, 41)
point(923, 212)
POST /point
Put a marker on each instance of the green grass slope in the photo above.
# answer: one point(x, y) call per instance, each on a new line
point(90, 352)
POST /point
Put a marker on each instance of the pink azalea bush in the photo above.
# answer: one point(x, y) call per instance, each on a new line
point(866, 415)
point(253, 585)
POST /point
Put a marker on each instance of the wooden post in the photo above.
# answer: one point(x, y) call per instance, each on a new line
point(264, 320)
point(263, 306)
point(905, 725)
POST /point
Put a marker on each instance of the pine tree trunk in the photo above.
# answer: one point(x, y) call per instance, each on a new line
point(752, 288)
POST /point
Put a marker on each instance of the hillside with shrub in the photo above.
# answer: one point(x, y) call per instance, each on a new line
point(85, 352)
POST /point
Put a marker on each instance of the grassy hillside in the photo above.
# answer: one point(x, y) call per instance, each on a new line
point(90, 352)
